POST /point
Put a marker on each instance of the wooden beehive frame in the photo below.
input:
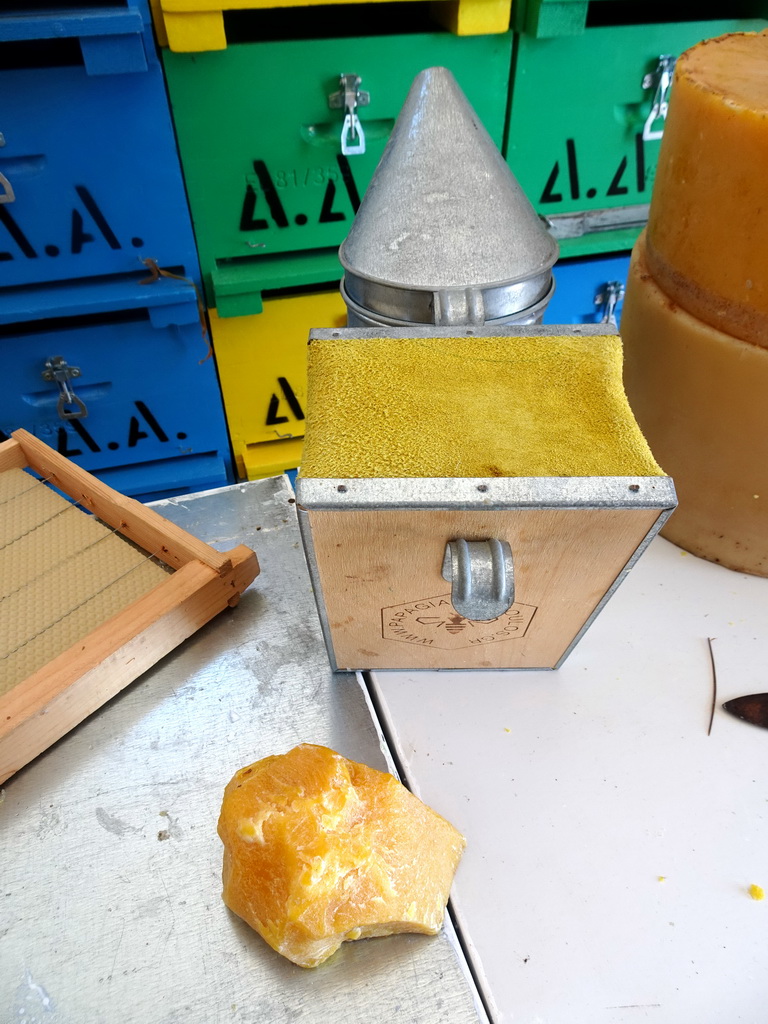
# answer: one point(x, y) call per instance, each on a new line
point(58, 696)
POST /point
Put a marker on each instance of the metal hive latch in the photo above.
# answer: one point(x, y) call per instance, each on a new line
point(660, 80)
point(481, 575)
point(69, 406)
point(7, 194)
point(349, 98)
point(608, 297)
point(6, 188)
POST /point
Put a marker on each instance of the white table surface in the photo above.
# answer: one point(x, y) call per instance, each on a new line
point(611, 841)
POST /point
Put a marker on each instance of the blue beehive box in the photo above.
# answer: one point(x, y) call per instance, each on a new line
point(589, 290)
point(119, 378)
point(104, 358)
point(91, 181)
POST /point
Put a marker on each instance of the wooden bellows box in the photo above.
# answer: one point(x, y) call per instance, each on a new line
point(470, 500)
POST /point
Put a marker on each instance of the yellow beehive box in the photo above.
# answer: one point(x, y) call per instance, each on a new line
point(191, 26)
point(262, 363)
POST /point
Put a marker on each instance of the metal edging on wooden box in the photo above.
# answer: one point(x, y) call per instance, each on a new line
point(62, 693)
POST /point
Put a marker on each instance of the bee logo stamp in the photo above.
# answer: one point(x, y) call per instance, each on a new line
point(433, 622)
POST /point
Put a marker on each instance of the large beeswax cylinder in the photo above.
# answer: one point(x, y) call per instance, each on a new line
point(708, 222)
point(699, 396)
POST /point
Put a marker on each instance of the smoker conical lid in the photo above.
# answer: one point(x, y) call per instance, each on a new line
point(443, 208)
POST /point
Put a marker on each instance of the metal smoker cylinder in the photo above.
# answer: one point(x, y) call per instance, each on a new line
point(444, 234)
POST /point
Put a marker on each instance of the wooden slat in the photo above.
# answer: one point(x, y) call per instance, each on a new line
point(59, 696)
point(12, 455)
point(54, 699)
point(156, 535)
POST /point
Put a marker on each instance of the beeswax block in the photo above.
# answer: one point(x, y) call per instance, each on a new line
point(707, 244)
point(699, 396)
point(319, 850)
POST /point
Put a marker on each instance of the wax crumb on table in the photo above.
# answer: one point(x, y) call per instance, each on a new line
point(662, 878)
point(757, 892)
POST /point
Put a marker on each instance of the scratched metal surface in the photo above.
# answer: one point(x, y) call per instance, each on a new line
point(110, 882)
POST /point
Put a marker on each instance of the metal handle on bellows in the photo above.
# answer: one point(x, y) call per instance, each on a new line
point(482, 578)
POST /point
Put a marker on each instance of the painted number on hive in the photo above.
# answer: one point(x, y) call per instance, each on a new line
point(263, 206)
point(275, 414)
point(88, 225)
point(565, 176)
point(143, 426)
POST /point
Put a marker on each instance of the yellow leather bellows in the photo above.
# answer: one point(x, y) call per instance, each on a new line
point(470, 407)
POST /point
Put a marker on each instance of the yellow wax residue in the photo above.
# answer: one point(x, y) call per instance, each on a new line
point(662, 878)
point(757, 892)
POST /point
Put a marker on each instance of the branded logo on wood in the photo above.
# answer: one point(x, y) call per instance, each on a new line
point(433, 622)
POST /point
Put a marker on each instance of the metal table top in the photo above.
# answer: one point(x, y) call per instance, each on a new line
point(111, 890)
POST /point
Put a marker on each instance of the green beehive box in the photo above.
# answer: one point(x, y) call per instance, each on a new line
point(271, 193)
point(578, 109)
